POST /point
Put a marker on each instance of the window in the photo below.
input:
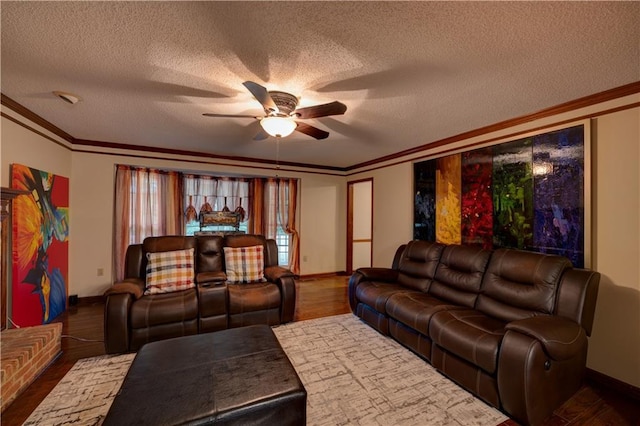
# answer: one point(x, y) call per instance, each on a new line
point(282, 240)
point(208, 193)
point(152, 202)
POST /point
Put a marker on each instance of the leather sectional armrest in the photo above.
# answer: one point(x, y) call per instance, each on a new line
point(561, 338)
point(274, 273)
point(285, 280)
point(132, 286)
point(379, 274)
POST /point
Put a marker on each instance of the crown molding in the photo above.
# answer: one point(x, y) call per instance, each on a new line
point(607, 95)
point(171, 151)
point(35, 118)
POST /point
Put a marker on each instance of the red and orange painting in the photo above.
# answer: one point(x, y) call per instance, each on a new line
point(40, 246)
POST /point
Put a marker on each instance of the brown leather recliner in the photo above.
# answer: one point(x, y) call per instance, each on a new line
point(132, 318)
point(509, 326)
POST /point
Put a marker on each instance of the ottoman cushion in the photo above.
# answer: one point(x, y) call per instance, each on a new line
point(235, 376)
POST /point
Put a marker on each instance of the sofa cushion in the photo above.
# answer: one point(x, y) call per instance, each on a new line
point(244, 264)
point(415, 309)
point(469, 334)
point(375, 294)
point(253, 297)
point(210, 255)
point(417, 264)
point(520, 284)
point(166, 308)
point(459, 274)
point(169, 271)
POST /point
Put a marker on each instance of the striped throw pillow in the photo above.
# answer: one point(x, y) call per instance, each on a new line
point(244, 264)
point(169, 271)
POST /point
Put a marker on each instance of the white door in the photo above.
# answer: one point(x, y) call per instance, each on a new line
point(359, 224)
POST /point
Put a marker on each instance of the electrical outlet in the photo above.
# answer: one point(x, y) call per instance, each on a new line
point(100, 272)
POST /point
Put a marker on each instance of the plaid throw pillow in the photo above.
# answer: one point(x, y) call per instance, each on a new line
point(169, 271)
point(244, 264)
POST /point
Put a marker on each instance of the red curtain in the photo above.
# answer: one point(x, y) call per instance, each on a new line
point(148, 203)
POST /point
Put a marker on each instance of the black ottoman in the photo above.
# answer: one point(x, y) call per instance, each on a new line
point(236, 376)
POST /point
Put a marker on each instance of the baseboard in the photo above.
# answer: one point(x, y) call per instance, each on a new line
point(613, 384)
point(90, 300)
point(311, 277)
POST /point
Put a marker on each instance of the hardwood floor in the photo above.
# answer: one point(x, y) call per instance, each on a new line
point(592, 405)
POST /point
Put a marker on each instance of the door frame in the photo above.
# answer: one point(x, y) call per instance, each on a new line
point(350, 241)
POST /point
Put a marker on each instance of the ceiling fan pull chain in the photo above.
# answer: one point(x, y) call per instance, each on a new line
point(277, 155)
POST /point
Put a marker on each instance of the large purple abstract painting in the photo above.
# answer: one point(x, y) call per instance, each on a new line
point(558, 193)
point(527, 194)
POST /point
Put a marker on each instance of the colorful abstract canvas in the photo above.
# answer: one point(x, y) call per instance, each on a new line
point(424, 211)
point(513, 195)
point(558, 169)
point(477, 201)
point(40, 222)
point(527, 194)
point(448, 188)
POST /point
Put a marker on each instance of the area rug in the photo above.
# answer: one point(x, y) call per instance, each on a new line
point(353, 376)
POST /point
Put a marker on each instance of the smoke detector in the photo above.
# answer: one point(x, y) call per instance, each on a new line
point(67, 97)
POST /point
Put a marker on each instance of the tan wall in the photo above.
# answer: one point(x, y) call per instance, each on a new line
point(615, 342)
point(22, 146)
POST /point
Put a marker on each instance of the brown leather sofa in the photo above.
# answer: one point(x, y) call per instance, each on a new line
point(509, 326)
point(132, 318)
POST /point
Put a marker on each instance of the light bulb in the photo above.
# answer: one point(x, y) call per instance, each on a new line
point(278, 126)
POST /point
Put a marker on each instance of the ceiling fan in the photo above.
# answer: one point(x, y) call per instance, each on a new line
point(282, 113)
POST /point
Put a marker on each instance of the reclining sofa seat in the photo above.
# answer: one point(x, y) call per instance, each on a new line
point(132, 319)
point(509, 326)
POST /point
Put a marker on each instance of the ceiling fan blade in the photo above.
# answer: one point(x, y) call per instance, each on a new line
point(332, 108)
point(261, 135)
point(262, 95)
point(208, 114)
point(314, 132)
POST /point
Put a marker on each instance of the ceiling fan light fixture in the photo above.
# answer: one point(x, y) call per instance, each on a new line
point(278, 126)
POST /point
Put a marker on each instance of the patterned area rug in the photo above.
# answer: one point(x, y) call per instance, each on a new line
point(352, 374)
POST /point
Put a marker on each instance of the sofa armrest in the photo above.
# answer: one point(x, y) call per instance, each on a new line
point(117, 310)
point(206, 279)
point(132, 286)
point(560, 337)
point(379, 274)
point(274, 273)
point(577, 296)
point(368, 274)
point(541, 364)
point(285, 281)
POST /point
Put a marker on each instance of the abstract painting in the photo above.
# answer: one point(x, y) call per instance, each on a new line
point(527, 194)
point(424, 211)
point(448, 188)
point(477, 202)
point(40, 225)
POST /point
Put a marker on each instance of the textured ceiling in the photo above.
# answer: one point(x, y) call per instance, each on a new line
point(409, 72)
